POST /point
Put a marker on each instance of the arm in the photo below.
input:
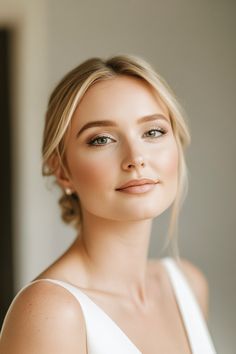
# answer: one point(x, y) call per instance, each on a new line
point(44, 318)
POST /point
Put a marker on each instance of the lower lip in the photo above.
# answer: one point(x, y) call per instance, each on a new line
point(138, 189)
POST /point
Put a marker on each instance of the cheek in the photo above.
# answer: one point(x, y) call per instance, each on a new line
point(168, 169)
point(168, 162)
point(172, 162)
point(89, 173)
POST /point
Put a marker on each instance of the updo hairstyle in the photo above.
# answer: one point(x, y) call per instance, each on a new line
point(66, 97)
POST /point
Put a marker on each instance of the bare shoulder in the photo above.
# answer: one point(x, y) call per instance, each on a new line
point(43, 318)
point(198, 282)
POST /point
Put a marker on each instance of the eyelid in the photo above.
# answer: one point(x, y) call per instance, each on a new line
point(97, 136)
point(161, 126)
point(90, 141)
point(158, 127)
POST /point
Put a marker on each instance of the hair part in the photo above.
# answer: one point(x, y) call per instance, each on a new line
point(66, 97)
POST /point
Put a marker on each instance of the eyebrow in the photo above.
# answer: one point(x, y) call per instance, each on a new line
point(111, 123)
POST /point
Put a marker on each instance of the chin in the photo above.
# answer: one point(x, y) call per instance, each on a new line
point(139, 213)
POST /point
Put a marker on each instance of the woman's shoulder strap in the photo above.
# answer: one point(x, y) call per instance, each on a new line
point(190, 310)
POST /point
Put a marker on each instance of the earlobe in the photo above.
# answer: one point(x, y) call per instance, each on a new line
point(62, 176)
point(63, 180)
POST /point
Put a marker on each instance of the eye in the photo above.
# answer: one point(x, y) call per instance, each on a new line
point(102, 140)
point(155, 133)
point(99, 141)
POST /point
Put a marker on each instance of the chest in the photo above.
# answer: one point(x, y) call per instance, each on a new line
point(159, 329)
point(162, 331)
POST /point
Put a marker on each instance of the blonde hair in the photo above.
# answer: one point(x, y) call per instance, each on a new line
point(65, 99)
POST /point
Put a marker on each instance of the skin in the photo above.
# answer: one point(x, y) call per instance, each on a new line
point(109, 259)
point(117, 226)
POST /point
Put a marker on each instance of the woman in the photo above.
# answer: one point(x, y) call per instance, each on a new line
point(114, 139)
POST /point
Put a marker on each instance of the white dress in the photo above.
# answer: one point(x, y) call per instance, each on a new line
point(104, 336)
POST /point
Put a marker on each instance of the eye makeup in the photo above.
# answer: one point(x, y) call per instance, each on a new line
point(91, 141)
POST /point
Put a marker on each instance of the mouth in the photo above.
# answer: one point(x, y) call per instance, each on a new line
point(138, 189)
point(138, 183)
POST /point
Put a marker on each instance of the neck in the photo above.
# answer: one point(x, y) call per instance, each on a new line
point(115, 255)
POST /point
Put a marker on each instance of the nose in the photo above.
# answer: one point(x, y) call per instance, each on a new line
point(134, 161)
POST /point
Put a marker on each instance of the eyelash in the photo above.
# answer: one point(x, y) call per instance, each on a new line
point(91, 142)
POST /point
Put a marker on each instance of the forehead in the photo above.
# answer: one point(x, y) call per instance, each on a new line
point(120, 96)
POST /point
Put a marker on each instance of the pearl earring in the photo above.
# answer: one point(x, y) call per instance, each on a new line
point(68, 191)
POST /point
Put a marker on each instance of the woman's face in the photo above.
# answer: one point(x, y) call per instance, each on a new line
point(137, 143)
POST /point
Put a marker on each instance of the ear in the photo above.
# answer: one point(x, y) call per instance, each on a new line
point(61, 174)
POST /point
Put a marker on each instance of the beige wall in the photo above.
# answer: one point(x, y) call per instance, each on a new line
point(192, 44)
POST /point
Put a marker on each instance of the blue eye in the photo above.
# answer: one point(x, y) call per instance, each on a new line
point(103, 139)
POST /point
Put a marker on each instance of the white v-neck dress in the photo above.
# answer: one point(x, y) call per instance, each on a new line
point(104, 336)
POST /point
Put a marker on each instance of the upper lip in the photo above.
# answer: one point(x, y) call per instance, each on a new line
point(138, 182)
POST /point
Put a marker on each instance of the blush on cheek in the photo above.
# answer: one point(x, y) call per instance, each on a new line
point(169, 162)
point(89, 176)
point(173, 162)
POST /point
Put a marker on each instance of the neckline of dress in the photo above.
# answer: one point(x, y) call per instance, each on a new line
point(99, 308)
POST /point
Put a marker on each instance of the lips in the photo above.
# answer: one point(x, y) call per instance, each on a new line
point(138, 182)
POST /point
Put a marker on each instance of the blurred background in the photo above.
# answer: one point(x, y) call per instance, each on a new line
point(192, 45)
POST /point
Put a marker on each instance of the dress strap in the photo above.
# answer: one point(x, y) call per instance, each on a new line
point(104, 336)
point(195, 324)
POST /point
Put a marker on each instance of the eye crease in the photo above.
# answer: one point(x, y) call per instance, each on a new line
point(92, 143)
